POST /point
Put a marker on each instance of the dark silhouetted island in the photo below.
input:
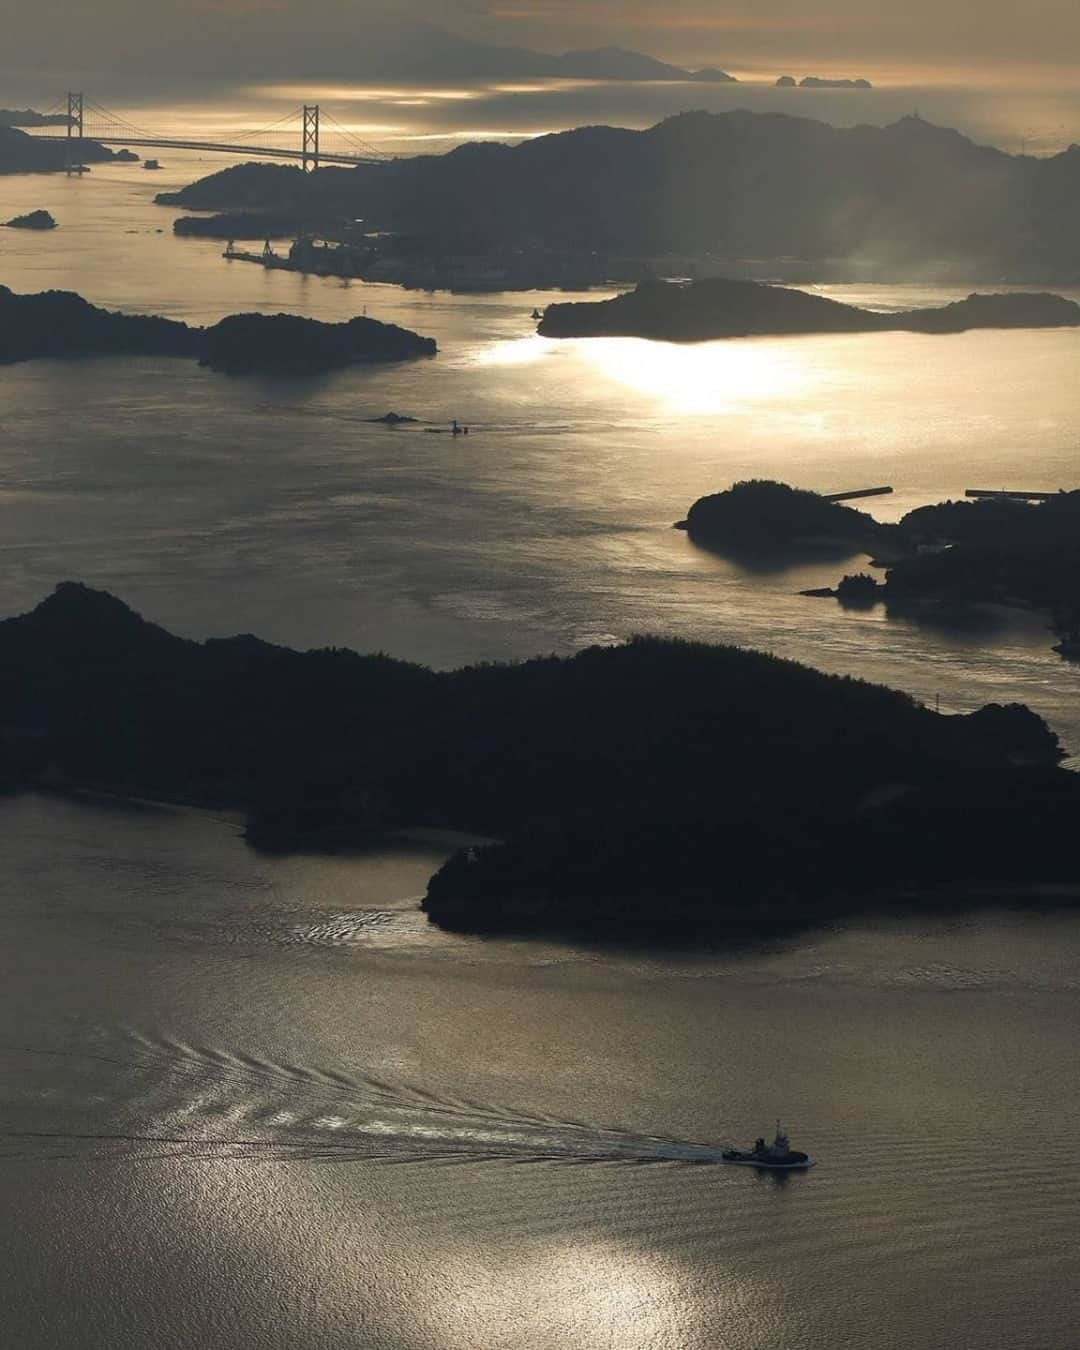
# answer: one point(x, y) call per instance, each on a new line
point(819, 82)
point(240, 225)
point(892, 201)
point(289, 344)
point(953, 558)
point(944, 561)
point(59, 323)
point(657, 785)
point(703, 310)
point(759, 515)
point(33, 220)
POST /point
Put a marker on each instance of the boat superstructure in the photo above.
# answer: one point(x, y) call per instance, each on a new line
point(778, 1155)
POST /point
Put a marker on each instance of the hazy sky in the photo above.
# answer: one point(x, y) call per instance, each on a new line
point(989, 38)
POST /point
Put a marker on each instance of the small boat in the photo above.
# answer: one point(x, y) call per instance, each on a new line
point(779, 1155)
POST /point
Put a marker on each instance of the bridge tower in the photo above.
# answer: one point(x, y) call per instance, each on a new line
point(310, 147)
point(73, 144)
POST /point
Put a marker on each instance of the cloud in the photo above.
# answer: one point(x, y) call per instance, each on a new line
point(252, 37)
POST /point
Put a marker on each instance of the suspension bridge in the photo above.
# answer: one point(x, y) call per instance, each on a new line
point(316, 137)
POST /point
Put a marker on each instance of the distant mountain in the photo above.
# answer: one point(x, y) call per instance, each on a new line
point(425, 50)
point(737, 185)
point(27, 117)
point(616, 63)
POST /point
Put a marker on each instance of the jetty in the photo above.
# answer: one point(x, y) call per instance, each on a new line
point(267, 257)
point(1004, 494)
point(855, 493)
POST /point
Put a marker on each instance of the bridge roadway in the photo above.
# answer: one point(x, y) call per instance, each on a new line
point(257, 151)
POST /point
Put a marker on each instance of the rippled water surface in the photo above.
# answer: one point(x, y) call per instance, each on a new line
point(251, 1102)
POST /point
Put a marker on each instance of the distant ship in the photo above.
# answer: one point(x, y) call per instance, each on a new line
point(778, 1155)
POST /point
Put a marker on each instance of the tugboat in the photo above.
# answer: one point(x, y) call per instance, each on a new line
point(778, 1155)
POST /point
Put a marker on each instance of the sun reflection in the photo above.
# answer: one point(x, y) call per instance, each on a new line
point(516, 351)
point(582, 1293)
point(707, 377)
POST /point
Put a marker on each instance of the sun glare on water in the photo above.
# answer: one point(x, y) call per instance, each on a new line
point(688, 378)
point(708, 377)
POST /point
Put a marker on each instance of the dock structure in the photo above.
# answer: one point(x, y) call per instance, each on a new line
point(856, 493)
point(1004, 494)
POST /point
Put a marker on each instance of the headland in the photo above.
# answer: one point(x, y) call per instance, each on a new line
point(653, 786)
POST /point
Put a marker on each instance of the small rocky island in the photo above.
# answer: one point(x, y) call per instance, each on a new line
point(824, 82)
point(656, 786)
point(758, 515)
point(33, 220)
point(703, 310)
point(60, 323)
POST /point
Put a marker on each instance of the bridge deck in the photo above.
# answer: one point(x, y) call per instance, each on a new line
point(257, 151)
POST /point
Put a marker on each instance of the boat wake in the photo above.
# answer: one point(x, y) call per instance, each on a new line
point(133, 1096)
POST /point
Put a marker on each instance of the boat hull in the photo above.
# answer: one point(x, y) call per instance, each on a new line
point(796, 1165)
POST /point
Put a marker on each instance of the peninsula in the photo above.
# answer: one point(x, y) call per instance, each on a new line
point(946, 561)
point(702, 310)
point(21, 153)
point(656, 785)
point(955, 557)
point(60, 323)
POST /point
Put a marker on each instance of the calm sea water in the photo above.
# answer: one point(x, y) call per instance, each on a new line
point(261, 1103)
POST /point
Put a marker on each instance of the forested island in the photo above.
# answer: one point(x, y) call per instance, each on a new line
point(900, 200)
point(657, 785)
point(718, 308)
point(60, 323)
point(758, 515)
